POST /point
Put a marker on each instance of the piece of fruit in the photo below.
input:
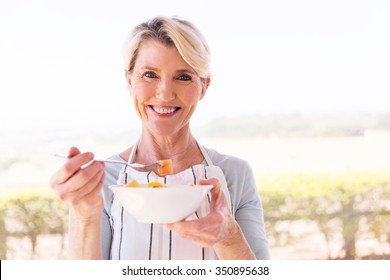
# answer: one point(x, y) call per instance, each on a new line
point(156, 185)
point(165, 168)
point(133, 183)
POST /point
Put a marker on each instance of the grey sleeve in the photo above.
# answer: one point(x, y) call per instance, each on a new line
point(249, 213)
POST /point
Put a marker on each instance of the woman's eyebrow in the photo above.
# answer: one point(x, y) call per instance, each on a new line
point(182, 70)
point(185, 70)
point(150, 68)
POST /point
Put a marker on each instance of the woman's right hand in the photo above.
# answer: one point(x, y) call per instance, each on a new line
point(79, 187)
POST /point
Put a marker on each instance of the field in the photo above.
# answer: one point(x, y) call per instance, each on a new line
point(313, 155)
point(308, 154)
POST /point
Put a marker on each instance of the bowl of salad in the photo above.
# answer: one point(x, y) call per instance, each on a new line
point(156, 202)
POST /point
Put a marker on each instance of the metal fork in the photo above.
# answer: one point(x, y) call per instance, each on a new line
point(137, 166)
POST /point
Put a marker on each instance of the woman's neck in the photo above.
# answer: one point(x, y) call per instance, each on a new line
point(181, 148)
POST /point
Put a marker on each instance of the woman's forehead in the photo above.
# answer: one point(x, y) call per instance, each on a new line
point(154, 54)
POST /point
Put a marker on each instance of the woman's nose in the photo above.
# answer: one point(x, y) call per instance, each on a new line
point(165, 91)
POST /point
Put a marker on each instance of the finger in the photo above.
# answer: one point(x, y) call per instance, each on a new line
point(204, 232)
point(216, 193)
point(83, 176)
point(95, 193)
point(90, 205)
point(169, 226)
point(213, 182)
point(92, 186)
point(57, 178)
point(71, 166)
point(94, 199)
point(195, 226)
point(78, 181)
point(73, 151)
point(210, 181)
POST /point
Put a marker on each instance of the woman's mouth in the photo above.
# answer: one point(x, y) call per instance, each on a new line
point(164, 110)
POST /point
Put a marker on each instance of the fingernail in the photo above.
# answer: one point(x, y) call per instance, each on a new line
point(90, 155)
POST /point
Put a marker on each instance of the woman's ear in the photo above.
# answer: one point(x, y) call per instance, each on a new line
point(205, 85)
point(128, 79)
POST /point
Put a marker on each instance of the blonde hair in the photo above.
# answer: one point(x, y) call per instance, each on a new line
point(174, 32)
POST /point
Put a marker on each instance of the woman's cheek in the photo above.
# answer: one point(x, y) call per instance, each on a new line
point(141, 94)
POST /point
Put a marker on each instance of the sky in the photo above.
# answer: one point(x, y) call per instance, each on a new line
point(61, 62)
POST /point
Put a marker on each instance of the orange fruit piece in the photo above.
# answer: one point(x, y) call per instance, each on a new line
point(156, 185)
point(133, 183)
point(165, 168)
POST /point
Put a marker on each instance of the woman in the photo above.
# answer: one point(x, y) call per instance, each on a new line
point(167, 72)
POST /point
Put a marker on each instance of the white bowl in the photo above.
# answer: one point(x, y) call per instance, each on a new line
point(161, 205)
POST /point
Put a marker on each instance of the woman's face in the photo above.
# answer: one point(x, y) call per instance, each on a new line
point(165, 89)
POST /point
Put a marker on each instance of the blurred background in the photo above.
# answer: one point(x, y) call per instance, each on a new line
point(300, 90)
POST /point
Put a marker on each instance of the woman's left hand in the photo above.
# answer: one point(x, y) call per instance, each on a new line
point(219, 229)
point(213, 228)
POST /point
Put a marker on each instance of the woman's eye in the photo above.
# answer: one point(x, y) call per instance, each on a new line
point(150, 75)
point(184, 77)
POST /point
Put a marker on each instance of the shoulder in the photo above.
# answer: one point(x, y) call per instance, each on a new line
point(237, 171)
point(228, 163)
point(238, 174)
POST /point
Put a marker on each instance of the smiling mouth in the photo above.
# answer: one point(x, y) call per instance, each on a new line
point(164, 110)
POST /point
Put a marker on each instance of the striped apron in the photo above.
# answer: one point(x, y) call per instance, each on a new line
point(132, 240)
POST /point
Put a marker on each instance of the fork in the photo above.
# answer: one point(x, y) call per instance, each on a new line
point(137, 166)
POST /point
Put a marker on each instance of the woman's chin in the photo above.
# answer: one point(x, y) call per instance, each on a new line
point(166, 130)
point(160, 131)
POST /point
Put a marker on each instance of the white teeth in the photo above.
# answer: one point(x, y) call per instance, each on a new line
point(163, 110)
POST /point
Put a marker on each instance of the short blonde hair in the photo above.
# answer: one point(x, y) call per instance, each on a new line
point(175, 32)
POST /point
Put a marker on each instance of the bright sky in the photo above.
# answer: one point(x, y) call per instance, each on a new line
point(61, 63)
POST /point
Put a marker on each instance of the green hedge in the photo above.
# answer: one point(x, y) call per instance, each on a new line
point(358, 201)
point(30, 213)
